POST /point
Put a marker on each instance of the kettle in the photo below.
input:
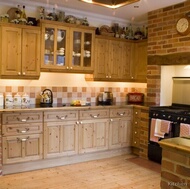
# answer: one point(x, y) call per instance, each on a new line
point(46, 98)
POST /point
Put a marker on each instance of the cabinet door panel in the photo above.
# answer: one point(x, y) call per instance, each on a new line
point(31, 52)
point(11, 50)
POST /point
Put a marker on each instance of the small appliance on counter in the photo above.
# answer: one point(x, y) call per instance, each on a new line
point(105, 98)
point(135, 98)
point(46, 98)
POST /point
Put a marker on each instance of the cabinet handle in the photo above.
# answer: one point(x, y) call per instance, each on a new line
point(22, 139)
point(135, 132)
point(121, 114)
point(23, 73)
point(71, 68)
point(135, 142)
point(19, 73)
point(67, 67)
point(80, 122)
point(136, 122)
point(22, 120)
point(23, 131)
point(110, 76)
point(77, 123)
point(62, 118)
point(106, 76)
point(136, 113)
point(111, 119)
point(95, 116)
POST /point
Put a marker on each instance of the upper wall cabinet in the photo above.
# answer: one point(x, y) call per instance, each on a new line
point(119, 60)
point(113, 57)
point(20, 51)
point(67, 47)
point(139, 63)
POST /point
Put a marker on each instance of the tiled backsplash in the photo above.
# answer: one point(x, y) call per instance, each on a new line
point(67, 94)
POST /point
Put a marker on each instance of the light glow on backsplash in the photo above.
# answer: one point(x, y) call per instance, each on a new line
point(68, 87)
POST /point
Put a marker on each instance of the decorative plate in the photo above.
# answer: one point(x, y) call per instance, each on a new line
point(70, 19)
point(12, 13)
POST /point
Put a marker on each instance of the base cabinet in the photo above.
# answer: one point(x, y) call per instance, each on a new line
point(60, 139)
point(22, 148)
point(93, 135)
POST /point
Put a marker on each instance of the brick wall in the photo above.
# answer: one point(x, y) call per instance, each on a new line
point(175, 171)
point(163, 39)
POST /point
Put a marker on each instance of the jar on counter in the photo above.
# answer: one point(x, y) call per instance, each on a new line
point(1, 100)
point(8, 100)
point(17, 100)
point(25, 101)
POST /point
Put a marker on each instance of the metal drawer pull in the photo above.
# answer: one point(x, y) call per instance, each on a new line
point(23, 120)
point(62, 118)
point(121, 114)
point(94, 116)
point(23, 131)
point(23, 139)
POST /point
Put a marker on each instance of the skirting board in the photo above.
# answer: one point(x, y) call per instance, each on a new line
point(65, 160)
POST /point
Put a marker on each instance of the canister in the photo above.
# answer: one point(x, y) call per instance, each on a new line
point(25, 101)
point(17, 100)
point(1, 99)
point(8, 99)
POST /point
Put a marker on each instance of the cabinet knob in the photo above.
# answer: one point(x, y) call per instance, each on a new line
point(136, 122)
point(135, 132)
point(71, 68)
point(67, 67)
point(136, 113)
point(111, 119)
point(132, 77)
point(135, 142)
point(23, 73)
point(110, 76)
point(106, 76)
point(19, 73)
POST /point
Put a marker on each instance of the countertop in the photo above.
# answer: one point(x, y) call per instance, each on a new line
point(37, 107)
point(178, 143)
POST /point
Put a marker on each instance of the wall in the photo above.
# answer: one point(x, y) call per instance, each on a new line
point(163, 39)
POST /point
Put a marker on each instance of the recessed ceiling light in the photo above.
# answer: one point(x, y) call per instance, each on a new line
point(113, 4)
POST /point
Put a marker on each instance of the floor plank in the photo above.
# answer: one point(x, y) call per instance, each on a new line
point(121, 172)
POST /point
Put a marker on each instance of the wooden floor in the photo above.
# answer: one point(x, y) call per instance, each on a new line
point(121, 172)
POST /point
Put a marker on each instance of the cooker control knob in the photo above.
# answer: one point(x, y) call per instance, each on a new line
point(185, 119)
point(181, 119)
point(169, 117)
point(178, 118)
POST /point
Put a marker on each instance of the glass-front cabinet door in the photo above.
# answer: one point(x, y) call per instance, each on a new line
point(55, 47)
point(81, 50)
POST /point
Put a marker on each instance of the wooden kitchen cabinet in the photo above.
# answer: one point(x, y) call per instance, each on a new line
point(93, 131)
point(112, 61)
point(120, 128)
point(67, 47)
point(139, 63)
point(20, 51)
point(22, 137)
point(60, 133)
point(136, 130)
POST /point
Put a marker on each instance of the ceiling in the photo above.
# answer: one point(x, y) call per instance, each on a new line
point(136, 12)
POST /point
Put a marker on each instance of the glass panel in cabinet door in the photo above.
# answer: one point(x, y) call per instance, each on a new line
point(77, 36)
point(87, 49)
point(61, 47)
point(49, 46)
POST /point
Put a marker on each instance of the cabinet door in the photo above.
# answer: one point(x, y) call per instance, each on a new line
point(22, 148)
point(93, 136)
point(55, 48)
point(10, 50)
point(101, 58)
point(120, 133)
point(140, 61)
point(31, 52)
point(61, 138)
point(115, 59)
point(81, 51)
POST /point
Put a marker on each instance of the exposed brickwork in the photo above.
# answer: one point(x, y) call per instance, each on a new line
point(163, 39)
point(175, 171)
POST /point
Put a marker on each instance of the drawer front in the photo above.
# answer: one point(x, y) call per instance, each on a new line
point(17, 118)
point(94, 114)
point(136, 113)
point(61, 116)
point(121, 112)
point(21, 129)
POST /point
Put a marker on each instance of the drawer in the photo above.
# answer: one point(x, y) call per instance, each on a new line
point(136, 113)
point(61, 116)
point(121, 112)
point(94, 114)
point(21, 129)
point(24, 117)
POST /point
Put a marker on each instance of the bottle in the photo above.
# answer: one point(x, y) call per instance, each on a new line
point(23, 15)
